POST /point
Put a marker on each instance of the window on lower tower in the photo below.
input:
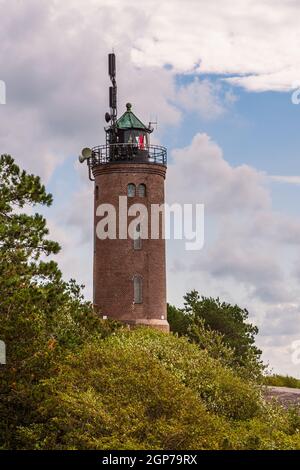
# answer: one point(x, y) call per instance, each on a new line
point(137, 241)
point(131, 190)
point(142, 190)
point(137, 289)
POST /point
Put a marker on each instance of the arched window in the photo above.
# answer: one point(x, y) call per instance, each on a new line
point(96, 192)
point(137, 241)
point(142, 190)
point(131, 190)
point(137, 289)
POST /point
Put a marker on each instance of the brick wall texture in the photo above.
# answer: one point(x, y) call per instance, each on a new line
point(116, 262)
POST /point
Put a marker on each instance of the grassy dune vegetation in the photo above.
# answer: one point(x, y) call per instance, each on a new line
point(277, 380)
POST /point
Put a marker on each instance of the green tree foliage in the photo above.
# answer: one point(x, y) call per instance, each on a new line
point(221, 328)
point(42, 316)
point(178, 320)
point(230, 320)
point(144, 389)
point(211, 341)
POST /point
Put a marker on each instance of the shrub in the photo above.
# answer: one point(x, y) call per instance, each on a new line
point(277, 380)
point(144, 389)
point(106, 397)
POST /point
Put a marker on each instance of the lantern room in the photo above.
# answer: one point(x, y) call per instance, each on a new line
point(129, 138)
point(130, 130)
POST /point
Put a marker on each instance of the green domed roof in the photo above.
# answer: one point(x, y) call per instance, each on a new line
point(129, 120)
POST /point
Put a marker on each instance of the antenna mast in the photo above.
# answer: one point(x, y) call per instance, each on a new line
point(112, 92)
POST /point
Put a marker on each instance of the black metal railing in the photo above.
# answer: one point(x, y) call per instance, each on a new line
point(133, 153)
point(128, 152)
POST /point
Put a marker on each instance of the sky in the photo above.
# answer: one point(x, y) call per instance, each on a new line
point(219, 78)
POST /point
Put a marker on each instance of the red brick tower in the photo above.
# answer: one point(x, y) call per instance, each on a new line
point(129, 272)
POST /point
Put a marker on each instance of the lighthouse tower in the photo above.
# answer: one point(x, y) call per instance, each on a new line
point(129, 271)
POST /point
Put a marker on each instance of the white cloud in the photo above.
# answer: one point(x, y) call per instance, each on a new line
point(285, 179)
point(249, 248)
point(204, 97)
point(53, 62)
point(255, 42)
point(79, 214)
point(208, 178)
point(75, 258)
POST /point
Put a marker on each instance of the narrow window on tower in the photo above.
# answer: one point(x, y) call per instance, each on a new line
point(96, 192)
point(131, 190)
point(142, 190)
point(137, 289)
point(137, 241)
